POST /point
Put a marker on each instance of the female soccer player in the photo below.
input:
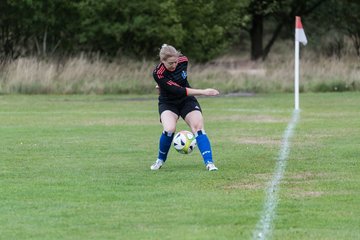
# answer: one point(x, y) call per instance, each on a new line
point(176, 99)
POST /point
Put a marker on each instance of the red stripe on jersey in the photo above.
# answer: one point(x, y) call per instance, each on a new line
point(160, 72)
point(170, 83)
point(182, 59)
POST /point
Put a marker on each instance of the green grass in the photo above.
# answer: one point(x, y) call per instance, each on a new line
point(77, 167)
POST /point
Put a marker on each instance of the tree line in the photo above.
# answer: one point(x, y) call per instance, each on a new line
point(202, 28)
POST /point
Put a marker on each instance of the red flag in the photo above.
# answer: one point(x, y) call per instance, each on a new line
point(299, 31)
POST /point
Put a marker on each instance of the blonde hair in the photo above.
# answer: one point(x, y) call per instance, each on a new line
point(167, 51)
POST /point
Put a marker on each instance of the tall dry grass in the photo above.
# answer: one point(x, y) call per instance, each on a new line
point(276, 74)
point(82, 75)
point(76, 75)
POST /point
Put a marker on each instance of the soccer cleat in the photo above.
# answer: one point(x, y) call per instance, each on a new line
point(157, 165)
point(211, 167)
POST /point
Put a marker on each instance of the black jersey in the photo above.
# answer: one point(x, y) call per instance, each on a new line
point(172, 84)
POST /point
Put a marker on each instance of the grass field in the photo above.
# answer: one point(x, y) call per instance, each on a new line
point(77, 167)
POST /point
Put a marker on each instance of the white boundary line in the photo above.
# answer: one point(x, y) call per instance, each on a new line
point(264, 226)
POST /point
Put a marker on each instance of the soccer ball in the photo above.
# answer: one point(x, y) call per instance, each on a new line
point(184, 142)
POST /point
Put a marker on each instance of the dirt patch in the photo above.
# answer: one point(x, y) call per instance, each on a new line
point(257, 140)
point(251, 118)
point(306, 176)
point(301, 193)
point(295, 182)
point(263, 176)
point(256, 182)
point(244, 186)
point(118, 122)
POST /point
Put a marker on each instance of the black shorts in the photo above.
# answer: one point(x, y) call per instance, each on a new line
point(181, 109)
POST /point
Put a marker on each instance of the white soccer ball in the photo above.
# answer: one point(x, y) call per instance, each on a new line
point(184, 142)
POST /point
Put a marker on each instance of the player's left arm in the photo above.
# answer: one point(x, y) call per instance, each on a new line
point(202, 92)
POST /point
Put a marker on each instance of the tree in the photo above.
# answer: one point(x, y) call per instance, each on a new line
point(128, 27)
point(201, 28)
point(346, 20)
point(208, 26)
point(14, 22)
point(35, 26)
point(281, 12)
point(53, 24)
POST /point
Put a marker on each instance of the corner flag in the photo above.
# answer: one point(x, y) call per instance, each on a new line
point(299, 37)
point(299, 31)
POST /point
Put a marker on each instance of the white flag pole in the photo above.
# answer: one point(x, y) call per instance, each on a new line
point(297, 46)
point(299, 37)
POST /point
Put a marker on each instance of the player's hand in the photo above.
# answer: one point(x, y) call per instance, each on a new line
point(211, 92)
point(157, 88)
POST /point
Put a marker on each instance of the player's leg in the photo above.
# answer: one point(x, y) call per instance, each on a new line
point(168, 120)
point(195, 121)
